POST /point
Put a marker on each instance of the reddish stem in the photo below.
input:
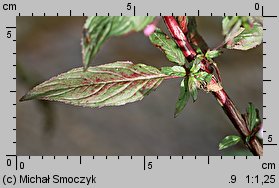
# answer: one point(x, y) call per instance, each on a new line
point(222, 97)
point(179, 37)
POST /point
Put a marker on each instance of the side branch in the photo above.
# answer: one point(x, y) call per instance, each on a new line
point(222, 97)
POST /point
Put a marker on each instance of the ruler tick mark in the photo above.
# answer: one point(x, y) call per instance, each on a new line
point(270, 144)
point(144, 162)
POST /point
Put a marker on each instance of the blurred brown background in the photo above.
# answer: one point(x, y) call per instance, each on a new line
point(47, 46)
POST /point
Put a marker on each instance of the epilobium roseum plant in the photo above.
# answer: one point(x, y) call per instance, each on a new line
point(121, 82)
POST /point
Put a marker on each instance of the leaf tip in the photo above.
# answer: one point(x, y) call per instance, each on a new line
point(175, 114)
point(25, 97)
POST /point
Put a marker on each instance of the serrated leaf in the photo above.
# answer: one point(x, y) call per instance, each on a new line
point(242, 32)
point(247, 39)
point(196, 65)
point(183, 98)
point(168, 46)
point(229, 141)
point(211, 54)
point(174, 71)
point(97, 29)
point(192, 87)
point(111, 84)
point(252, 116)
point(203, 76)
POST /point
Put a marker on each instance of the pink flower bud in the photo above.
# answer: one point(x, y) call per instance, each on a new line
point(149, 29)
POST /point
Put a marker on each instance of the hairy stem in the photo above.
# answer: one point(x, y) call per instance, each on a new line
point(222, 97)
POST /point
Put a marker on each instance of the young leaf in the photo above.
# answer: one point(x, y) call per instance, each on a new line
point(174, 71)
point(183, 97)
point(97, 29)
point(192, 86)
point(229, 141)
point(168, 46)
point(111, 84)
point(203, 77)
point(196, 65)
point(252, 116)
point(212, 54)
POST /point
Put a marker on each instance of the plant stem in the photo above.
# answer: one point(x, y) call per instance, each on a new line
point(222, 97)
point(238, 121)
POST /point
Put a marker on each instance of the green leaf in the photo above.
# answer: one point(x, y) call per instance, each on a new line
point(196, 65)
point(247, 39)
point(111, 84)
point(208, 78)
point(174, 71)
point(228, 23)
point(183, 98)
point(242, 32)
point(252, 116)
point(97, 29)
point(212, 54)
point(192, 86)
point(203, 76)
point(168, 46)
point(229, 141)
